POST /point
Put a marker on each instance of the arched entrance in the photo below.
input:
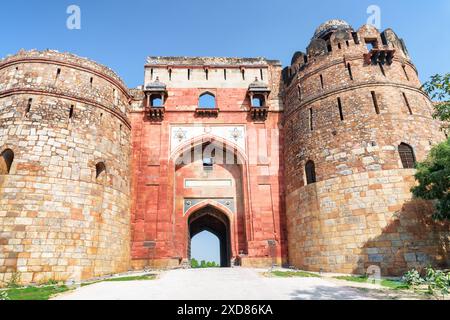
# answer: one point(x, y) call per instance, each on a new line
point(212, 220)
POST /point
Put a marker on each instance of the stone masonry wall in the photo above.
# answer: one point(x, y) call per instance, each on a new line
point(360, 212)
point(58, 220)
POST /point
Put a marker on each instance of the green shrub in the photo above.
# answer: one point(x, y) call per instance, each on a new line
point(436, 281)
point(413, 278)
point(4, 295)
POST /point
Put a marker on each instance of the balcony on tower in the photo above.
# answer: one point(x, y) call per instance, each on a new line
point(155, 98)
point(383, 54)
point(258, 92)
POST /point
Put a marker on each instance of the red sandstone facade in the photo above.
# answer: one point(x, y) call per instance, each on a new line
point(310, 166)
point(246, 191)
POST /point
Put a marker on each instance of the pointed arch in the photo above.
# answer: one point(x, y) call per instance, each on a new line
point(207, 100)
point(407, 156)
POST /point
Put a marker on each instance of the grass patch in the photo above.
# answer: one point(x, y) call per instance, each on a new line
point(293, 274)
point(134, 278)
point(144, 277)
point(35, 293)
point(391, 284)
point(395, 285)
point(360, 279)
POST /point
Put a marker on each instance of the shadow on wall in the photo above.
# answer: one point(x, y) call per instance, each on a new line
point(411, 240)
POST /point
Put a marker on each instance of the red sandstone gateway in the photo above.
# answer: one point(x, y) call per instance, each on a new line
point(309, 166)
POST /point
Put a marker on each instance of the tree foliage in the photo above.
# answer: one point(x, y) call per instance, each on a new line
point(203, 264)
point(433, 174)
point(439, 90)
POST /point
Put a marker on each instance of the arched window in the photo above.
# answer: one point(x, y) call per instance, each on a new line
point(258, 101)
point(207, 101)
point(6, 160)
point(407, 156)
point(310, 170)
point(100, 170)
point(156, 101)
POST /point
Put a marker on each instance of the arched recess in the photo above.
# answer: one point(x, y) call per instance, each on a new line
point(407, 156)
point(211, 218)
point(242, 161)
point(6, 161)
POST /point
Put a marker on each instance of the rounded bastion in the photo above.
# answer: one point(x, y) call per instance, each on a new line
point(64, 168)
point(356, 121)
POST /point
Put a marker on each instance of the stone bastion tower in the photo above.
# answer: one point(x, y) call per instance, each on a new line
point(64, 168)
point(355, 123)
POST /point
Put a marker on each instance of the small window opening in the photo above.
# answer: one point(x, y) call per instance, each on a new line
point(71, 110)
point(206, 74)
point(350, 73)
point(170, 74)
point(329, 48)
point(261, 73)
point(405, 98)
point(375, 102)
point(355, 37)
point(151, 74)
point(371, 44)
point(311, 120)
point(405, 72)
point(382, 69)
point(299, 88)
point(339, 46)
point(6, 161)
point(100, 170)
point(207, 101)
point(91, 81)
point(407, 156)
point(189, 74)
point(341, 112)
point(321, 81)
point(225, 74)
point(58, 72)
point(347, 43)
point(310, 170)
point(156, 101)
point(208, 164)
point(258, 101)
point(28, 109)
point(243, 74)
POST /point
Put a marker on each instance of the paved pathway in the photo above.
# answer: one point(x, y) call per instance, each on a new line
point(220, 284)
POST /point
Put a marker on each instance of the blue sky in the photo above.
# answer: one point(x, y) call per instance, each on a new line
point(205, 246)
point(121, 34)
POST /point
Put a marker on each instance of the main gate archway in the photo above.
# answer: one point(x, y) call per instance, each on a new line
point(212, 220)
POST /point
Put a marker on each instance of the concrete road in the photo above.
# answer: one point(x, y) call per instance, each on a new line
point(219, 284)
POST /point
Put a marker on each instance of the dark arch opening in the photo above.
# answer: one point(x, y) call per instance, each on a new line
point(212, 220)
point(407, 156)
point(207, 101)
point(6, 160)
point(100, 170)
point(310, 169)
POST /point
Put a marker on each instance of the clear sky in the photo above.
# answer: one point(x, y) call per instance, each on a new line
point(205, 246)
point(121, 34)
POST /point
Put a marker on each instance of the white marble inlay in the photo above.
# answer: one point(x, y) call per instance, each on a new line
point(232, 133)
point(207, 183)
